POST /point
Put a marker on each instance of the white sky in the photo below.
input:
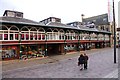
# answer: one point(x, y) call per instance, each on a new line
point(67, 10)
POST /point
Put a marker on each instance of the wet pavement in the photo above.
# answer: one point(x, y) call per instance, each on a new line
point(100, 65)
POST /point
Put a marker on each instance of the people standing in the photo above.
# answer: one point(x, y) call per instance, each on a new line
point(81, 61)
point(85, 61)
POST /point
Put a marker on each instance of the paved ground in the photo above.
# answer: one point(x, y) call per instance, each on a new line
point(113, 74)
point(0, 69)
point(63, 66)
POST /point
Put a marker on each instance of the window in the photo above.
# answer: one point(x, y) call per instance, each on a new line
point(104, 19)
point(97, 27)
point(68, 45)
point(22, 36)
point(18, 15)
point(11, 36)
point(84, 23)
point(118, 38)
point(53, 20)
point(75, 24)
point(49, 20)
point(27, 36)
point(94, 20)
point(9, 52)
point(71, 24)
point(39, 36)
point(46, 21)
point(11, 14)
point(72, 45)
point(16, 36)
point(1, 37)
point(35, 36)
point(43, 36)
point(31, 36)
point(58, 20)
point(5, 36)
point(107, 29)
point(88, 22)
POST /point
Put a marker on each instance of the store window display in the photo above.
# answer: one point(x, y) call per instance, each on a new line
point(9, 52)
point(31, 51)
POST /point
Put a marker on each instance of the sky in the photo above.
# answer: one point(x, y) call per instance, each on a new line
point(67, 10)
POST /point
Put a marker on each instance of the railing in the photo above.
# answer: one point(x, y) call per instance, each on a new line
point(54, 37)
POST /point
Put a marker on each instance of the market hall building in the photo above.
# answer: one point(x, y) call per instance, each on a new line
point(23, 38)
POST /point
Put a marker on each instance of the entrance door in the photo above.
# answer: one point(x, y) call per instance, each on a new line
point(53, 49)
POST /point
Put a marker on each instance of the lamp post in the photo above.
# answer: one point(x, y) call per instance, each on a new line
point(65, 47)
point(45, 44)
point(89, 40)
point(109, 41)
point(79, 42)
point(114, 33)
point(104, 42)
point(20, 44)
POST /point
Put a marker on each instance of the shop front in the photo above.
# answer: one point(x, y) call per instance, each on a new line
point(32, 51)
point(9, 52)
point(71, 47)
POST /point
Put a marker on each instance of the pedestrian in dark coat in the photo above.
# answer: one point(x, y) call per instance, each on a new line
point(81, 61)
point(85, 61)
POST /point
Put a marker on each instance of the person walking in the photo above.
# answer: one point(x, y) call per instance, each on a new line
point(85, 61)
point(81, 61)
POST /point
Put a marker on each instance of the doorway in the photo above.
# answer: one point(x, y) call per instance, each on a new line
point(53, 49)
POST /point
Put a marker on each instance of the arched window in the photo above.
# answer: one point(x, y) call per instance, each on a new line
point(82, 36)
point(100, 37)
point(25, 33)
point(106, 37)
point(49, 34)
point(76, 35)
point(4, 33)
point(86, 36)
point(61, 36)
point(14, 33)
point(67, 35)
point(72, 35)
point(93, 36)
point(55, 34)
point(41, 34)
point(33, 33)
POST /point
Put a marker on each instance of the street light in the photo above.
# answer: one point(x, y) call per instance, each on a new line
point(114, 33)
point(45, 44)
point(20, 44)
point(79, 42)
point(89, 40)
point(65, 47)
